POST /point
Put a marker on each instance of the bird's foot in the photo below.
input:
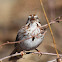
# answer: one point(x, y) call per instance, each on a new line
point(39, 52)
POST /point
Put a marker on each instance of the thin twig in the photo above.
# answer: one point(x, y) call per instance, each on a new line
point(58, 19)
point(44, 26)
point(22, 40)
point(56, 60)
point(53, 60)
point(43, 53)
point(52, 22)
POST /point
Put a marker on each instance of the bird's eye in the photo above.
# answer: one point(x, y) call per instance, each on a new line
point(39, 22)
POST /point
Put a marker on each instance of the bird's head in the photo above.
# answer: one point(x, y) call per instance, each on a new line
point(33, 18)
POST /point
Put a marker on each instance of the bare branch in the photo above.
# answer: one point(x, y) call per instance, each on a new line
point(53, 60)
point(42, 27)
point(56, 60)
point(58, 19)
point(43, 53)
point(46, 25)
point(21, 40)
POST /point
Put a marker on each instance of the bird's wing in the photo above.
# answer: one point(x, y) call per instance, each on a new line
point(20, 35)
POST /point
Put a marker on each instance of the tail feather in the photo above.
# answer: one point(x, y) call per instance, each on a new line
point(15, 57)
point(14, 51)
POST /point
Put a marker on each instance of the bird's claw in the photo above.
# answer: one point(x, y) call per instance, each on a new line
point(40, 54)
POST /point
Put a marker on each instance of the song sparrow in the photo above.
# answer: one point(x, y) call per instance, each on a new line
point(31, 29)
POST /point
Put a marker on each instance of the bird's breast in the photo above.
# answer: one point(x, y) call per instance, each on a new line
point(33, 42)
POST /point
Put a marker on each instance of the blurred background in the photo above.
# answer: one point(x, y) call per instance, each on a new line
point(14, 14)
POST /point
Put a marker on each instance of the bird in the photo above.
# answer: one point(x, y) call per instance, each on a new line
point(33, 34)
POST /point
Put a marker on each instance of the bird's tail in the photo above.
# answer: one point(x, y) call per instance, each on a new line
point(15, 57)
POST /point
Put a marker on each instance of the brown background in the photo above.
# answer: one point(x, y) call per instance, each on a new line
point(14, 14)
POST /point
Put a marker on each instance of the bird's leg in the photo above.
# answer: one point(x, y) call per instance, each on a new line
point(38, 51)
